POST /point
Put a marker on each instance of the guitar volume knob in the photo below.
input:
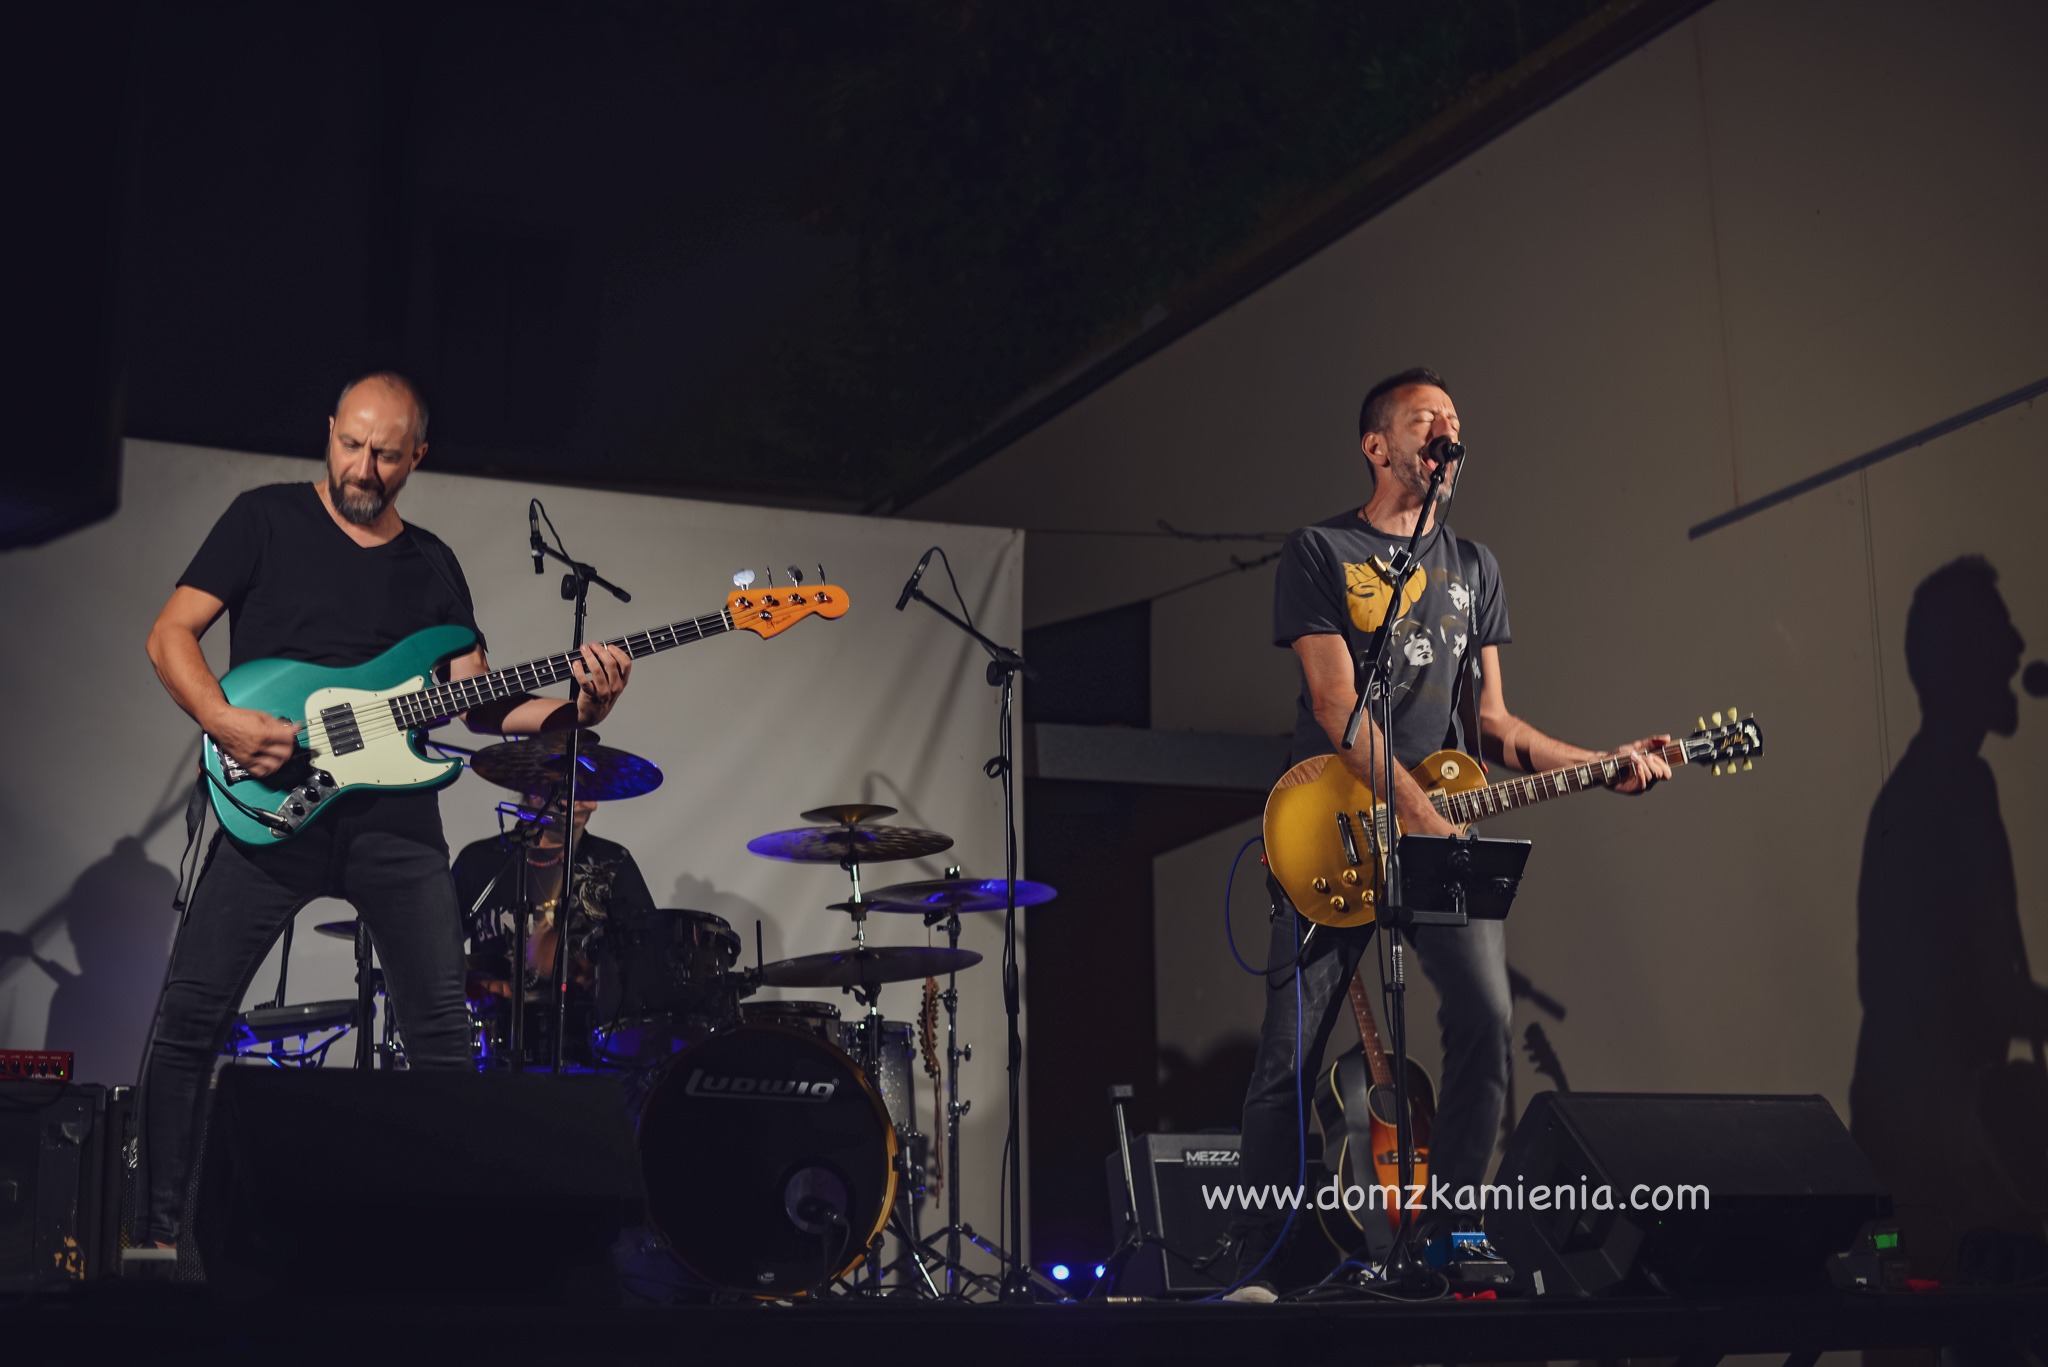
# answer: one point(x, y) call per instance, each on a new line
point(1350, 877)
point(1320, 883)
point(1337, 902)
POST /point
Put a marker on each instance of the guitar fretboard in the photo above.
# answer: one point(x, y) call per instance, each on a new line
point(1529, 789)
point(431, 705)
point(1369, 1032)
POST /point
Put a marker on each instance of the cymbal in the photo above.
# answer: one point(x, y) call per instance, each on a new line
point(866, 967)
point(849, 844)
point(957, 894)
point(267, 1024)
point(340, 930)
point(540, 763)
point(848, 813)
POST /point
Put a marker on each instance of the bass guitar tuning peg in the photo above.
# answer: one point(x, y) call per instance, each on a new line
point(821, 572)
point(796, 577)
point(743, 579)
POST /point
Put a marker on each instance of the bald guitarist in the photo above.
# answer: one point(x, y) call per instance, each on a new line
point(325, 573)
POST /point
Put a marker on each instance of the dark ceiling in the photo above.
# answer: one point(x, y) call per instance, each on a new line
point(809, 252)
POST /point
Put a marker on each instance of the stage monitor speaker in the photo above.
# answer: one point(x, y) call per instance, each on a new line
point(1170, 1171)
point(59, 1208)
point(490, 1186)
point(1738, 1192)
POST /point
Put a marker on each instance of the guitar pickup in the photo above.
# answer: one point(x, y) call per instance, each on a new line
point(1344, 832)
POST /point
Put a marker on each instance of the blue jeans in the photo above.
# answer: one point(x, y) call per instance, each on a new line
point(385, 854)
point(1468, 967)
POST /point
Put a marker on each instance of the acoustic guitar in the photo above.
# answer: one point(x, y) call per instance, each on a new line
point(1355, 1114)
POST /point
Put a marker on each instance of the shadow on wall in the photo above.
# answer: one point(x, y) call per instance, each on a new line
point(119, 917)
point(1958, 1134)
point(700, 894)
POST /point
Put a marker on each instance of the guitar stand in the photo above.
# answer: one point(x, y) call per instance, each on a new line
point(1137, 1234)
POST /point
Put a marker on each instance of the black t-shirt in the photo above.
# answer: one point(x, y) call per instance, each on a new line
point(1331, 581)
point(611, 881)
point(298, 588)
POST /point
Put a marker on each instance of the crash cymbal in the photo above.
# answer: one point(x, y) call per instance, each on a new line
point(539, 764)
point(849, 844)
point(957, 894)
point(848, 813)
point(867, 967)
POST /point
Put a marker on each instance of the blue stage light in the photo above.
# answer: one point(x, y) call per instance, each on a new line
point(1060, 1272)
point(1101, 1270)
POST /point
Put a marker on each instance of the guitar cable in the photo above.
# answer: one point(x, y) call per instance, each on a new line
point(1279, 897)
point(256, 814)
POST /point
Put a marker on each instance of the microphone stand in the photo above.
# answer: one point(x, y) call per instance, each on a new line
point(575, 588)
point(1004, 665)
point(1403, 1263)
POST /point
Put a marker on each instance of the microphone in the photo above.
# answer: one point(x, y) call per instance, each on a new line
point(910, 585)
point(2035, 679)
point(1444, 450)
point(533, 535)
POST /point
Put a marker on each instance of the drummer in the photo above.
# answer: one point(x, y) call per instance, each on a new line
point(610, 890)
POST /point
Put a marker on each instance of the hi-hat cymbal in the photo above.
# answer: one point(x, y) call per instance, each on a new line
point(957, 894)
point(867, 967)
point(540, 764)
point(268, 1024)
point(848, 813)
point(849, 844)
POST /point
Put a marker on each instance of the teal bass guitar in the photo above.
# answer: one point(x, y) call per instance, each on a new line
point(360, 727)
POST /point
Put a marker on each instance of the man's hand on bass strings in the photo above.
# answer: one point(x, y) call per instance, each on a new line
point(1647, 767)
point(257, 741)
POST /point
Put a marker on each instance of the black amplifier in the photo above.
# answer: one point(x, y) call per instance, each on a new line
point(1170, 1171)
point(62, 1181)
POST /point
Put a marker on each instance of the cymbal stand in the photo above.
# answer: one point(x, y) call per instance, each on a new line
point(956, 1228)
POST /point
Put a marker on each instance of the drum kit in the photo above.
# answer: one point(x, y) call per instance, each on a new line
point(779, 1139)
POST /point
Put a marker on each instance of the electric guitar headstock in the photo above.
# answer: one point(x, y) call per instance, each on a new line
point(1729, 744)
point(774, 608)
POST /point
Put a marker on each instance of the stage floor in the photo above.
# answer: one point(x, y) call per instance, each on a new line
point(156, 1323)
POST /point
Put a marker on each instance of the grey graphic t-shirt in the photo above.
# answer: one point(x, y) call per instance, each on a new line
point(1333, 579)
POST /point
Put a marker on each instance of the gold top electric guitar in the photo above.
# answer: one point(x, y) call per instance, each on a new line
point(1326, 832)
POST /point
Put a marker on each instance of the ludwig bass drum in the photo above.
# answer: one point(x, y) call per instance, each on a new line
point(770, 1162)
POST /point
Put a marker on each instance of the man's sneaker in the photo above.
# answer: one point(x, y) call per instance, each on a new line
point(1240, 1254)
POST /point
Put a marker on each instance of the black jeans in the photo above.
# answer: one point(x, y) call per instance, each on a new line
point(385, 854)
point(1468, 967)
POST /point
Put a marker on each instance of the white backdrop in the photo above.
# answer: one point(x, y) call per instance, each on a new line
point(877, 706)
